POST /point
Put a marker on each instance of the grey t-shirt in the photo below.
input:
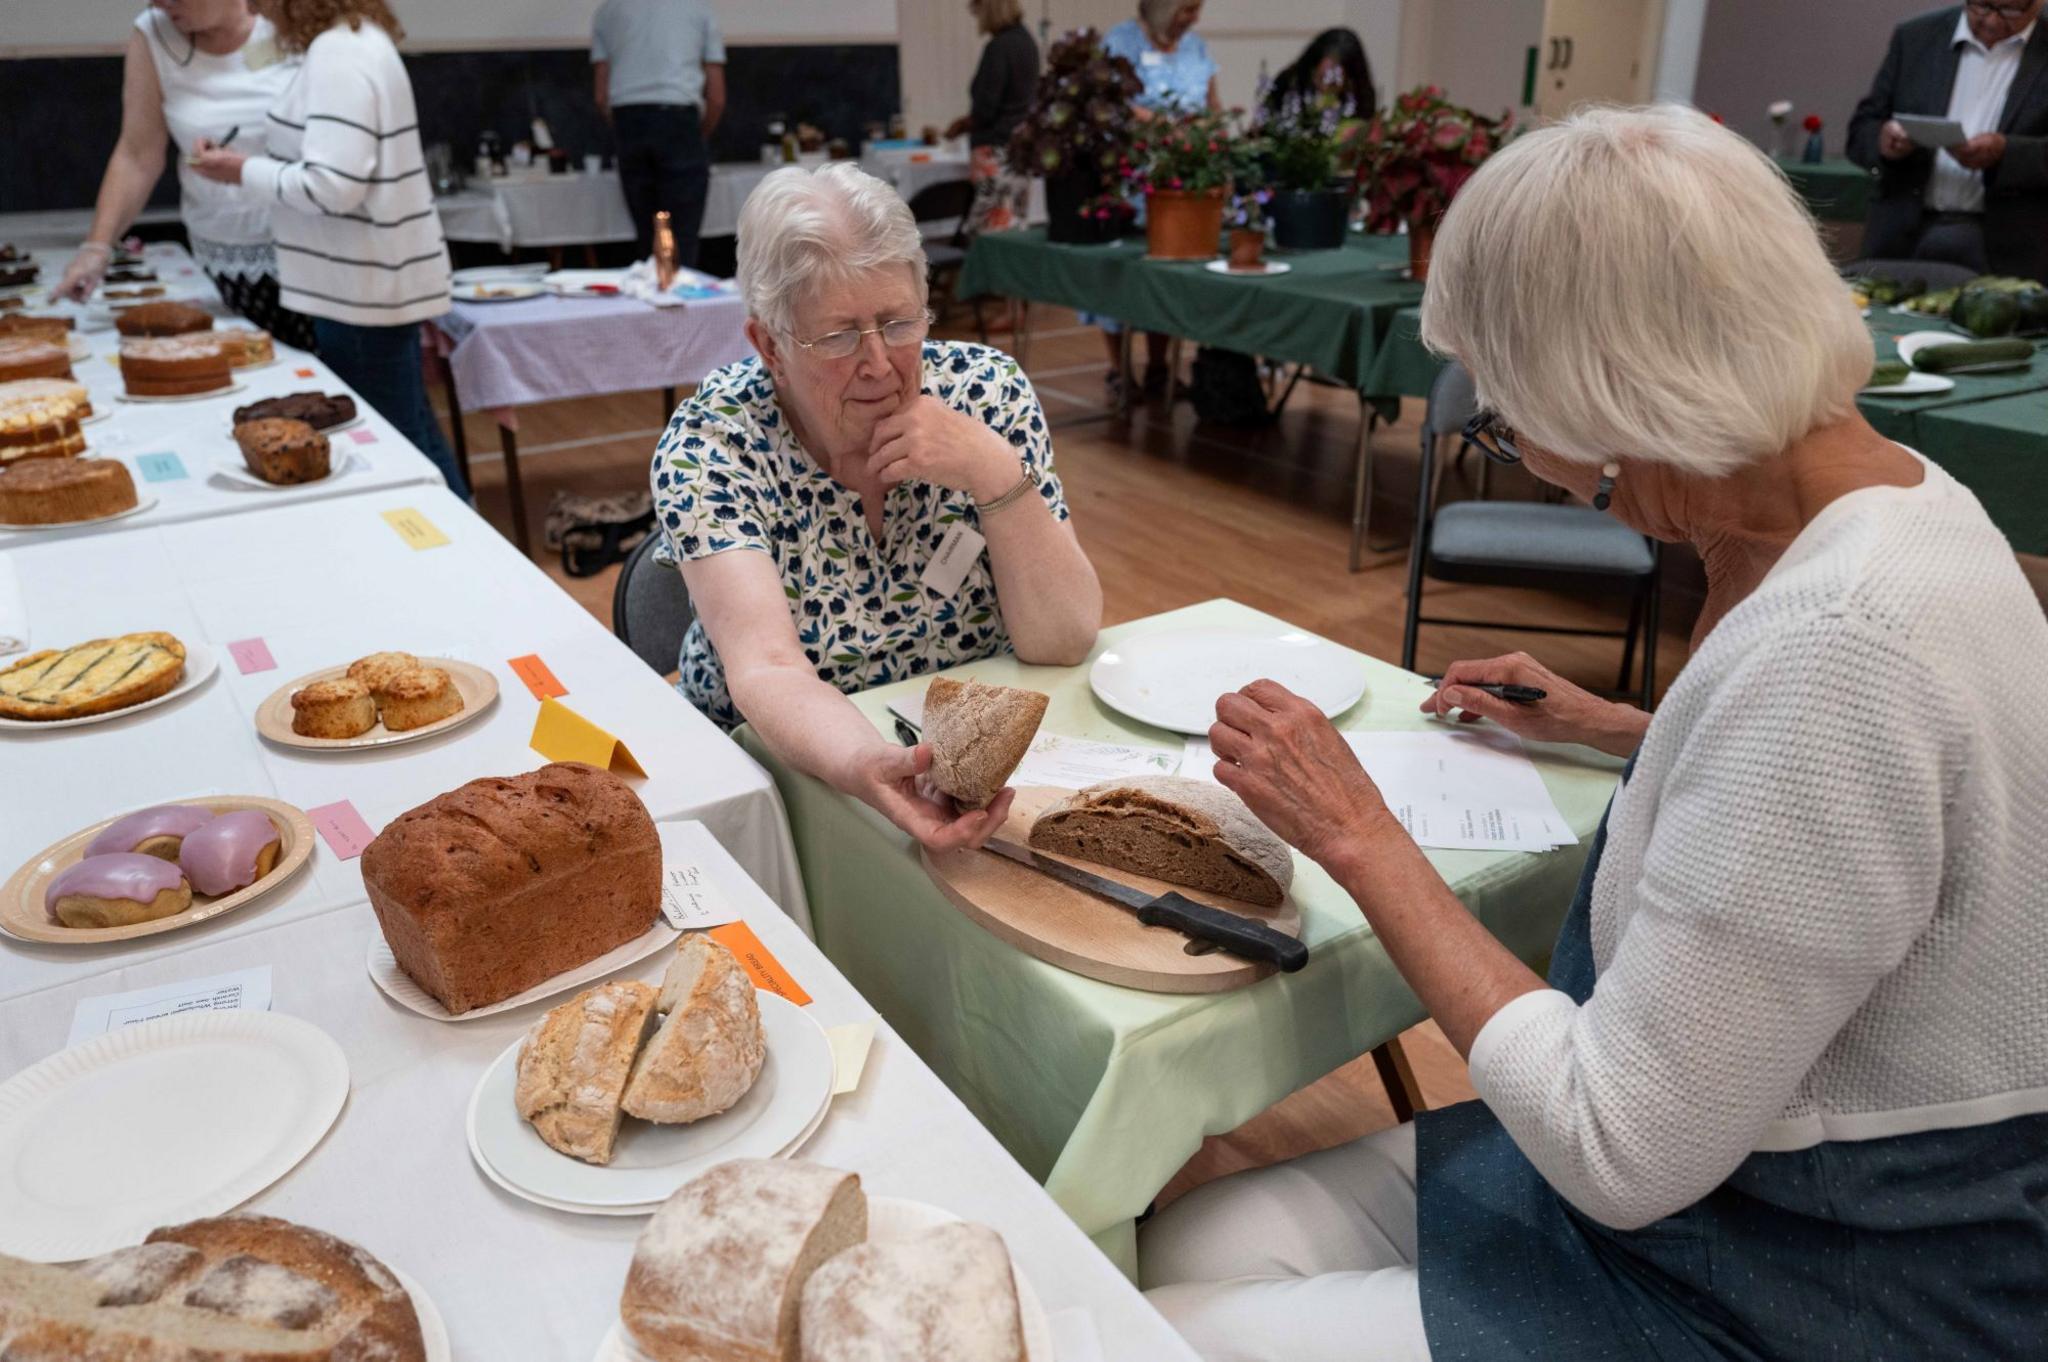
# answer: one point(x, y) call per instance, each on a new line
point(657, 49)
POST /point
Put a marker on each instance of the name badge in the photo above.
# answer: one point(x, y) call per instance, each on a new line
point(957, 552)
point(1151, 57)
point(259, 54)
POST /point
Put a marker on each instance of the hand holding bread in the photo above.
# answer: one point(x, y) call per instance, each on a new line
point(1290, 765)
point(894, 782)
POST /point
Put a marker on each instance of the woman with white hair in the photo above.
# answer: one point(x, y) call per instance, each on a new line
point(1783, 1094)
point(828, 501)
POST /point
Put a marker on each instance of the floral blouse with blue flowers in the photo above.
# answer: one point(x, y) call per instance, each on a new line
point(728, 475)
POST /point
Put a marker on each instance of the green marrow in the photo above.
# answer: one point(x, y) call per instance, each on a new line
point(1888, 372)
point(1942, 359)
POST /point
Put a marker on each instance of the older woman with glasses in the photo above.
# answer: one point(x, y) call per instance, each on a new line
point(1784, 1094)
point(859, 504)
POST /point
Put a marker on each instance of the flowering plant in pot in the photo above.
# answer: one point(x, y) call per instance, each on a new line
point(1184, 166)
point(1311, 142)
point(1077, 132)
point(1247, 218)
point(1415, 157)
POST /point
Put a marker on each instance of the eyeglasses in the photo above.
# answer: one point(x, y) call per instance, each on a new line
point(2009, 13)
point(1493, 439)
point(895, 333)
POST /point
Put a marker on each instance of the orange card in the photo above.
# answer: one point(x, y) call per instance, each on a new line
point(766, 971)
point(537, 677)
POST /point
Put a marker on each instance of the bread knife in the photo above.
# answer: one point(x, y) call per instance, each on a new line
point(1244, 937)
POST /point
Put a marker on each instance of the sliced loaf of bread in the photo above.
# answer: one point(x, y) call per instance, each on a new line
point(1174, 829)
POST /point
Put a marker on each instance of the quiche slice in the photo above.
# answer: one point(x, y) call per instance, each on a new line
point(98, 677)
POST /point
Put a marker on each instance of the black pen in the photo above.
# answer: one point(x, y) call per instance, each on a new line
point(1499, 690)
point(233, 133)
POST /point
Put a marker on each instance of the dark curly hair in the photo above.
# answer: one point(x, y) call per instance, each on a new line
point(299, 22)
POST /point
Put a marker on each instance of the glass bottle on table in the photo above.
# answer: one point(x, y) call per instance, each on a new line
point(664, 251)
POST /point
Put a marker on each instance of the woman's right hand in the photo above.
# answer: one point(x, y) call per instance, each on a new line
point(889, 779)
point(1567, 713)
point(85, 272)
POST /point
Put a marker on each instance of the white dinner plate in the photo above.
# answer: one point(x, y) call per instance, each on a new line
point(236, 471)
point(651, 1161)
point(158, 1123)
point(1172, 680)
point(1257, 272)
point(234, 387)
point(482, 274)
point(199, 665)
point(399, 986)
point(891, 1217)
point(99, 413)
point(143, 502)
point(1915, 384)
point(433, 1329)
point(1914, 342)
point(498, 291)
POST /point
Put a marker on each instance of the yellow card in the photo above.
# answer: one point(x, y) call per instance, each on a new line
point(849, 1054)
point(765, 970)
point(416, 530)
point(561, 734)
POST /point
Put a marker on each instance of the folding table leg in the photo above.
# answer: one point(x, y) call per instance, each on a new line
point(1122, 410)
point(1403, 1093)
point(1362, 487)
point(509, 442)
point(455, 422)
point(668, 404)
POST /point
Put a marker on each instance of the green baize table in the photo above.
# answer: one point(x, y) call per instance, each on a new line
point(1104, 1092)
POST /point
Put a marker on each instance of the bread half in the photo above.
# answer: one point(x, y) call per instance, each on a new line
point(574, 1065)
point(945, 1293)
point(709, 1051)
point(978, 734)
point(1174, 829)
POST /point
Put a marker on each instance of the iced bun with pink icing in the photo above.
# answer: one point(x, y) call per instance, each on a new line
point(230, 852)
point(158, 831)
point(117, 889)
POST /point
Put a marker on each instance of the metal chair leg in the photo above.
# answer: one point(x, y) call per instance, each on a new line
point(1125, 377)
point(1628, 643)
point(668, 404)
point(1403, 1093)
point(1361, 480)
point(1651, 612)
point(455, 423)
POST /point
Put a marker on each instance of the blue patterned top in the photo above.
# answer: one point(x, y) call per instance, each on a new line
point(729, 475)
point(1177, 79)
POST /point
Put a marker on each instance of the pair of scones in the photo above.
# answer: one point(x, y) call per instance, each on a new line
point(395, 687)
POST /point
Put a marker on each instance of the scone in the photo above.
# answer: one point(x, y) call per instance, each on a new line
point(373, 671)
point(573, 1067)
point(96, 677)
point(416, 697)
point(978, 734)
point(158, 832)
point(341, 708)
point(231, 852)
point(710, 1049)
point(116, 890)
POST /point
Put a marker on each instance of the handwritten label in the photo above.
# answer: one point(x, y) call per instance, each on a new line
point(690, 898)
point(561, 734)
point(416, 530)
point(161, 467)
point(761, 966)
point(246, 990)
point(534, 672)
point(363, 437)
point(342, 828)
point(252, 655)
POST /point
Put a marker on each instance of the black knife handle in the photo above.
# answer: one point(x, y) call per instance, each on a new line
point(1244, 937)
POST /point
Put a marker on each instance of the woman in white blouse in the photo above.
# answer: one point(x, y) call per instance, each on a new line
point(1785, 1092)
point(194, 71)
point(344, 178)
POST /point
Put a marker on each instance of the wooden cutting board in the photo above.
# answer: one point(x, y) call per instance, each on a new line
point(1089, 935)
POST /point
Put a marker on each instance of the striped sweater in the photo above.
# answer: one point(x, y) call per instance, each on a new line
point(358, 237)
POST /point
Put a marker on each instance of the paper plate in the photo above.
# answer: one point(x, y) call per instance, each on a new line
point(398, 986)
point(433, 1329)
point(651, 1161)
point(23, 917)
point(170, 1120)
point(199, 665)
point(499, 291)
point(143, 501)
point(477, 687)
point(237, 472)
point(334, 429)
point(1256, 272)
point(1915, 384)
point(1172, 680)
point(889, 1218)
point(234, 387)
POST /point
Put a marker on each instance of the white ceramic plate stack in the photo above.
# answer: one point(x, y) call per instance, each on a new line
point(780, 1112)
point(889, 1218)
point(1172, 680)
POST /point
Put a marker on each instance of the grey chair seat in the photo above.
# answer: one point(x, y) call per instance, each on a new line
point(941, 256)
point(1533, 537)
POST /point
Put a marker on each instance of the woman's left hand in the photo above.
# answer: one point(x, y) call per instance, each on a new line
point(927, 441)
point(1294, 770)
point(216, 162)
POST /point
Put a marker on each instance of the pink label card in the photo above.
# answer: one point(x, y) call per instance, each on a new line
point(363, 437)
point(252, 655)
point(342, 828)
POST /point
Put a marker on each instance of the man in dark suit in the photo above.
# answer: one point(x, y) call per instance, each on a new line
point(1983, 202)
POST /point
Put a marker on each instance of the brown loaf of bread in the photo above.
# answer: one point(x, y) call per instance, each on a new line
point(1175, 829)
point(489, 889)
point(240, 1288)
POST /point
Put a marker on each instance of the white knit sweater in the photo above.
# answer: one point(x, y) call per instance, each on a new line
point(1822, 913)
point(358, 237)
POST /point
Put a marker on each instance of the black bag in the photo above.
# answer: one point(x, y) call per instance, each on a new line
point(1226, 389)
point(595, 532)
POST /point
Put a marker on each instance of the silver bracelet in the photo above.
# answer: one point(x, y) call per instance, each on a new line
point(1024, 484)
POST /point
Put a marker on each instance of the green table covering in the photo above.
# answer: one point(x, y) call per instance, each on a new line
point(1101, 1091)
point(1836, 190)
point(1328, 311)
point(1999, 450)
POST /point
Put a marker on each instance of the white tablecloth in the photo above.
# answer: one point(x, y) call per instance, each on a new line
point(320, 585)
point(539, 210)
point(515, 1281)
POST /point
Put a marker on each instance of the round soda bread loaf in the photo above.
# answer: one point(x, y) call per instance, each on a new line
point(1174, 829)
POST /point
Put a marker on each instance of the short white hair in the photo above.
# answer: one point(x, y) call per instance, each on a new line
point(802, 228)
point(1643, 283)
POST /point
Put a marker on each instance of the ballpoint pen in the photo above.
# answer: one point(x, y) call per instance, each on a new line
point(1499, 690)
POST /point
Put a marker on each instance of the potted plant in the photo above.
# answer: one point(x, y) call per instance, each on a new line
point(1415, 157)
point(1184, 166)
point(1248, 220)
point(1077, 133)
point(1311, 144)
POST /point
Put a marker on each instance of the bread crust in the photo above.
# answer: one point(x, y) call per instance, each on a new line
point(416, 697)
point(340, 708)
point(978, 734)
point(573, 1066)
point(1169, 827)
point(710, 1049)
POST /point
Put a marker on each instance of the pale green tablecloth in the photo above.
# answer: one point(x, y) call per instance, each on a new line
point(1102, 1091)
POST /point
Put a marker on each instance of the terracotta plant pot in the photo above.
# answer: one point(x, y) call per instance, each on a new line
point(1183, 225)
point(1421, 236)
point(1247, 248)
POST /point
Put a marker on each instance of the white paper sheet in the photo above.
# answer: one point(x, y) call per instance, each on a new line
point(1465, 791)
point(690, 897)
point(246, 990)
point(1076, 763)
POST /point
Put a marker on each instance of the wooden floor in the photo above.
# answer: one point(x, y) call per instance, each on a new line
point(1172, 513)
